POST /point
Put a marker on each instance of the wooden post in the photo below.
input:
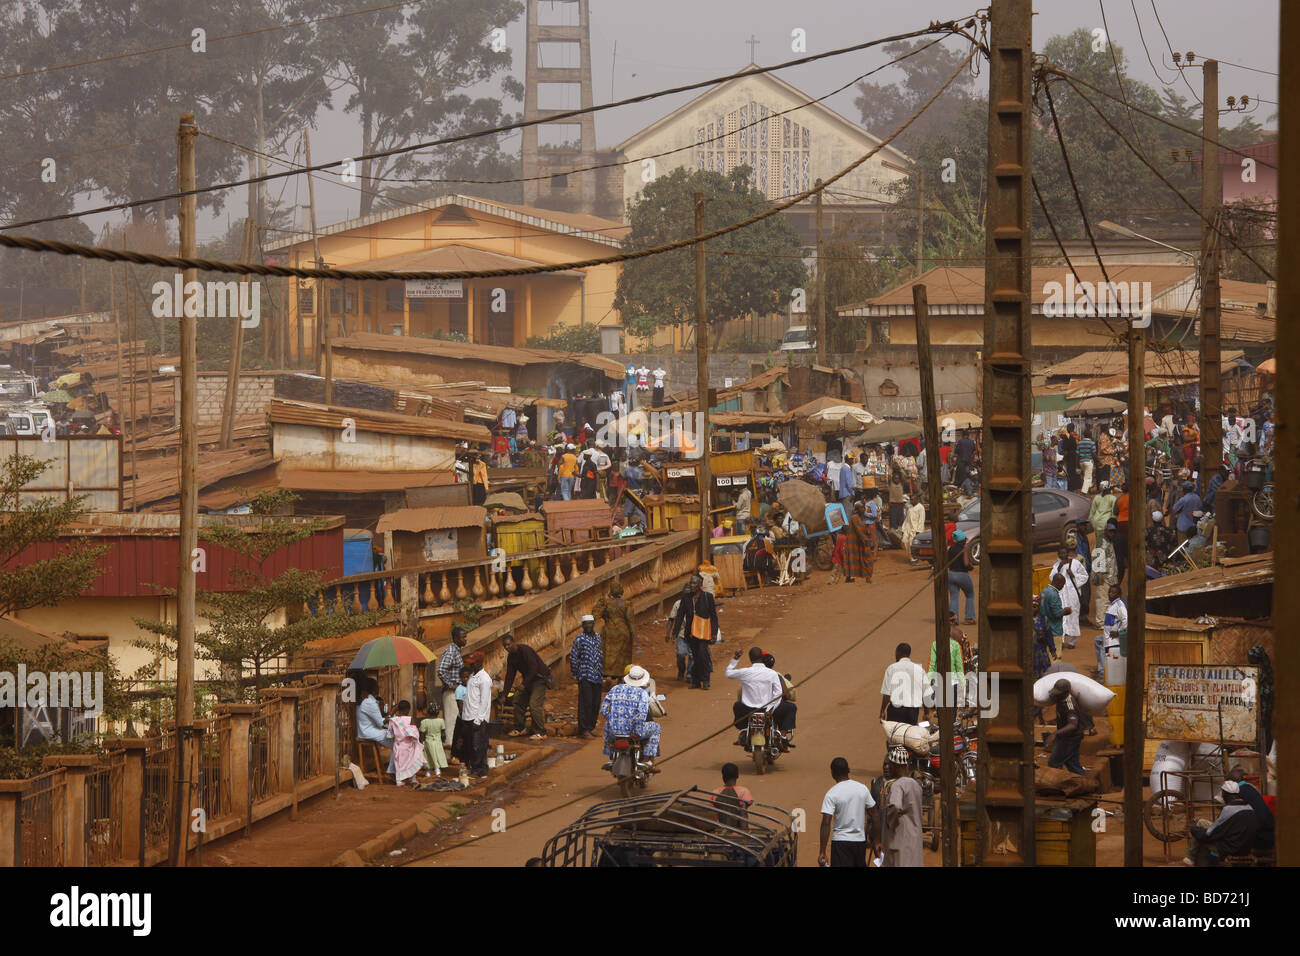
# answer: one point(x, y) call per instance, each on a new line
point(322, 292)
point(821, 285)
point(1211, 391)
point(1135, 674)
point(230, 405)
point(703, 474)
point(943, 649)
point(185, 592)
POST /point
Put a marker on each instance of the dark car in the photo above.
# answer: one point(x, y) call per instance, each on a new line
point(1055, 520)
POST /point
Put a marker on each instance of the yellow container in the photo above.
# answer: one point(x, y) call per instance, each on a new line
point(1042, 577)
point(1115, 714)
point(517, 537)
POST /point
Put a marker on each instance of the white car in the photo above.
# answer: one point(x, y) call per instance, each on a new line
point(799, 338)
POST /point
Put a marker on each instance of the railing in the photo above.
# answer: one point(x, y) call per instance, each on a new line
point(309, 761)
point(42, 820)
point(215, 769)
point(441, 585)
point(158, 793)
point(103, 810)
point(345, 732)
point(264, 752)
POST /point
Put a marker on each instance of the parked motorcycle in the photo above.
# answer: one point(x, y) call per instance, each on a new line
point(764, 742)
point(628, 766)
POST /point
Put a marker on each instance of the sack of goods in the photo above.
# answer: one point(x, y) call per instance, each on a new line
point(919, 740)
point(1091, 696)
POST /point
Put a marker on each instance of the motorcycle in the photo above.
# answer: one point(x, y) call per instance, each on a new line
point(629, 768)
point(763, 741)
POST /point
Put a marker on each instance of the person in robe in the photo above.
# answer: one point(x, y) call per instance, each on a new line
point(900, 801)
point(860, 545)
point(617, 630)
point(697, 618)
point(408, 755)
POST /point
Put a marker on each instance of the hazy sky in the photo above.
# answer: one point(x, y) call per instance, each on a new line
point(669, 42)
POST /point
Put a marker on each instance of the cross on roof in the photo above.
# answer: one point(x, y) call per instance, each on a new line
point(753, 41)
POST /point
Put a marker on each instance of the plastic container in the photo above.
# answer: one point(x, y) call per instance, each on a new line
point(1115, 714)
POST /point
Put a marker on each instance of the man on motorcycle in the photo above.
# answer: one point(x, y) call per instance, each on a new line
point(626, 709)
point(761, 688)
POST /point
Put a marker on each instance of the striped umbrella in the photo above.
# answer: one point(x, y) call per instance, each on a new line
point(390, 651)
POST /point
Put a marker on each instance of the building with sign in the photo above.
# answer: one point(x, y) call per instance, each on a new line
point(451, 234)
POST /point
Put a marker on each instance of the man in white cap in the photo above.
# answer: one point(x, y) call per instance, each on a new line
point(1232, 834)
point(587, 665)
point(626, 709)
point(900, 802)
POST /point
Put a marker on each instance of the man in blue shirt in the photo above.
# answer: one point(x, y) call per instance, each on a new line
point(1215, 484)
point(1184, 509)
point(1087, 450)
point(587, 665)
point(1264, 836)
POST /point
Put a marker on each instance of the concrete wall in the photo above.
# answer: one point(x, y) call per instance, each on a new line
point(256, 389)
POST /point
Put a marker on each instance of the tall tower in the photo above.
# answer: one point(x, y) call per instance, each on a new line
point(558, 63)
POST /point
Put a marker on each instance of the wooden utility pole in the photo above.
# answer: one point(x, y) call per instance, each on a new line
point(1211, 189)
point(229, 403)
point(702, 440)
point(1135, 675)
point(821, 285)
point(1004, 794)
point(322, 293)
point(920, 220)
point(185, 590)
point(943, 643)
point(1286, 437)
point(131, 333)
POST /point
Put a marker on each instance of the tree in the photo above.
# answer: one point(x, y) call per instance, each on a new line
point(254, 625)
point(406, 70)
point(853, 274)
point(755, 269)
point(25, 522)
point(884, 106)
point(568, 338)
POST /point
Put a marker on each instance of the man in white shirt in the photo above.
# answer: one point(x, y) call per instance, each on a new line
point(902, 692)
point(846, 809)
point(477, 712)
point(744, 503)
point(1116, 620)
point(760, 689)
point(833, 477)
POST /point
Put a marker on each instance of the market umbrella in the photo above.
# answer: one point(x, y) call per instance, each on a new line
point(889, 432)
point(68, 380)
point(959, 420)
point(805, 502)
point(842, 418)
point(57, 396)
point(390, 651)
point(1097, 405)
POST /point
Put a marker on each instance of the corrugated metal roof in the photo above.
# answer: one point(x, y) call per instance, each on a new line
point(474, 351)
point(430, 519)
point(1240, 572)
point(1175, 363)
point(291, 411)
point(454, 258)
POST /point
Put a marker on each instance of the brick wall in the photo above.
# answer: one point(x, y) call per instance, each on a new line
point(256, 389)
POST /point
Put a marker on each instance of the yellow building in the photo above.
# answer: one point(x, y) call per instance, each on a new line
point(447, 234)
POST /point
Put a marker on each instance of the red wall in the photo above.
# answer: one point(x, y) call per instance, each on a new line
point(134, 564)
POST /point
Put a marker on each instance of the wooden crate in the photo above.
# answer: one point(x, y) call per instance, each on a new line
point(1063, 833)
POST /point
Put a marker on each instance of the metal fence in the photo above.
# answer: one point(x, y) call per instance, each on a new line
point(264, 753)
point(103, 817)
point(157, 797)
point(42, 817)
point(214, 769)
point(309, 737)
point(345, 736)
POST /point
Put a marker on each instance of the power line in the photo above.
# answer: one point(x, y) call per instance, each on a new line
point(176, 262)
point(1145, 48)
point(1119, 78)
point(185, 45)
point(948, 27)
point(1196, 97)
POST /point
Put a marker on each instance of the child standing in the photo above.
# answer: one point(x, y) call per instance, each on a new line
point(460, 736)
point(732, 801)
point(431, 729)
point(408, 758)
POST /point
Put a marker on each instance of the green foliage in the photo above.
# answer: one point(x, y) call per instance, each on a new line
point(751, 270)
point(1252, 225)
point(24, 523)
point(470, 613)
point(21, 764)
point(884, 106)
point(69, 657)
point(568, 338)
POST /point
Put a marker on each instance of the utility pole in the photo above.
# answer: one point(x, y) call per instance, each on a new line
point(1004, 794)
point(229, 404)
point(1286, 451)
point(920, 220)
point(185, 590)
point(943, 643)
point(702, 440)
point(322, 296)
point(821, 285)
point(1211, 189)
point(1135, 675)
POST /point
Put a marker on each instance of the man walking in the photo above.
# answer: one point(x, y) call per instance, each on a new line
point(1115, 627)
point(901, 800)
point(477, 713)
point(846, 809)
point(586, 664)
point(535, 677)
point(902, 692)
point(1071, 722)
point(965, 455)
point(449, 666)
point(1087, 451)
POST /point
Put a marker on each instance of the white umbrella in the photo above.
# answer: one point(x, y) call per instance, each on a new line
point(842, 418)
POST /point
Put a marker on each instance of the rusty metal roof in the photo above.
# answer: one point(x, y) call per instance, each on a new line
point(291, 411)
point(1230, 573)
point(430, 519)
point(474, 351)
point(1176, 363)
point(113, 524)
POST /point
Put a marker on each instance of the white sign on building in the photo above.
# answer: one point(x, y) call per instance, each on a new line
point(434, 289)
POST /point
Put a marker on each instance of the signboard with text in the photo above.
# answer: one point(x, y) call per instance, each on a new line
point(1204, 702)
point(434, 289)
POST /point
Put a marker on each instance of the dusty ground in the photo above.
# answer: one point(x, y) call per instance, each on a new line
point(805, 627)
